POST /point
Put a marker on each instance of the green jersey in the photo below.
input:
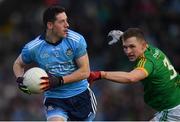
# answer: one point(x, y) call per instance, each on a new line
point(161, 86)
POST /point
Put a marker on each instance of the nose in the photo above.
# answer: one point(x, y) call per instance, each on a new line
point(66, 24)
point(127, 50)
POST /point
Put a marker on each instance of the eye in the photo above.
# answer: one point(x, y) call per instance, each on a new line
point(132, 46)
point(124, 47)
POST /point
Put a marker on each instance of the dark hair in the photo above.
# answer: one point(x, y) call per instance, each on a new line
point(130, 32)
point(50, 13)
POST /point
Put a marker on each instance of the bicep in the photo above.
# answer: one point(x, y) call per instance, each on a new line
point(138, 74)
point(145, 65)
point(19, 61)
point(143, 68)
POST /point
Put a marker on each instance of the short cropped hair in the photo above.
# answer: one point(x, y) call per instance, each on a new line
point(133, 32)
point(50, 13)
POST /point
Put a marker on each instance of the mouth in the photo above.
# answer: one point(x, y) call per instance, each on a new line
point(131, 57)
point(65, 32)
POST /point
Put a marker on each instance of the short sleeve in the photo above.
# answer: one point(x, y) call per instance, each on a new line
point(81, 48)
point(145, 65)
point(26, 55)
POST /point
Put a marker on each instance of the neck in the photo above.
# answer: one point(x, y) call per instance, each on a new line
point(146, 47)
point(50, 37)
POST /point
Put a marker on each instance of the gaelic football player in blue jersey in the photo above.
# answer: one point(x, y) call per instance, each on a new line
point(62, 53)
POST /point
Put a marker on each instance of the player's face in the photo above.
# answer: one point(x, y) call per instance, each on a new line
point(60, 25)
point(133, 48)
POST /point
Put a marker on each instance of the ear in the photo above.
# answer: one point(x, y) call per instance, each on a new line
point(49, 25)
point(144, 44)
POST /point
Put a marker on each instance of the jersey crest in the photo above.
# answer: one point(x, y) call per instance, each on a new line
point(69, 52)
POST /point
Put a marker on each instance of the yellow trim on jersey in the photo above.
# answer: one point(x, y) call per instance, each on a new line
point(145, 71)
point(142, 62)
point(139, 63)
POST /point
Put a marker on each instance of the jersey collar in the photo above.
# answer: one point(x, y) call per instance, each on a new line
point(54, 44)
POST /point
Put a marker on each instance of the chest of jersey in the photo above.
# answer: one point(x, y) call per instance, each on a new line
point(56, 59)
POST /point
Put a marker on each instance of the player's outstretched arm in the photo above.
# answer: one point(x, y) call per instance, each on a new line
point(118, 76)
point(133, 76)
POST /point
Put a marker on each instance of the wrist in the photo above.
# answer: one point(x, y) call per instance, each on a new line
point(55, 81)
point(61, 81)
point(103, 74)
point(19, 79)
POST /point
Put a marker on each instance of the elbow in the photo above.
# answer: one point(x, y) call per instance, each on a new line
point(85, 74)
point(15, 65)
point(132, 79)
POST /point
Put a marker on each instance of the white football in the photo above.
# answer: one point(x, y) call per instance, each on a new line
point(32, 79)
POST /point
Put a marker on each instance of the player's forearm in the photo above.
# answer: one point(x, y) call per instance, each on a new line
point(82, 73)
point(120, 77)
point(78, 75)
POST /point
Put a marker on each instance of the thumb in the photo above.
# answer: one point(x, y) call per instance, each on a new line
point(112, 41)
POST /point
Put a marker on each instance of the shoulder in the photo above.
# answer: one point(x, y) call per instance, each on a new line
point(74, 36)
point(154, 53)
point(148, 56)
point(34, 43)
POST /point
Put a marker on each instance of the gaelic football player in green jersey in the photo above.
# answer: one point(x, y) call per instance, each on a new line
point(160, 80)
